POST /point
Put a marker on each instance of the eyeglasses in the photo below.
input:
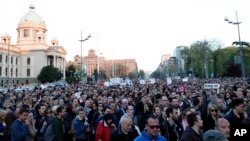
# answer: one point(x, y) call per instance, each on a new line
point(153, 127)
point(212, 110)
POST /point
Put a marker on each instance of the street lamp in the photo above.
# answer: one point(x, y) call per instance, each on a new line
point(241, 47)
point(82, 40)
point(98, 65)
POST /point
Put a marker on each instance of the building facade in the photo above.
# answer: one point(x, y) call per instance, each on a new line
point(179, 59)
point(20, 63)
point(112, 68)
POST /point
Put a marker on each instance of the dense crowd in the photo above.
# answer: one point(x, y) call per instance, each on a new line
point(180, 111)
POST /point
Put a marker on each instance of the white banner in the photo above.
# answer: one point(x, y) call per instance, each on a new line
point(211, 86)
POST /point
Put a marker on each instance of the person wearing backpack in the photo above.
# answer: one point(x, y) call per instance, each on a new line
point(80, 125)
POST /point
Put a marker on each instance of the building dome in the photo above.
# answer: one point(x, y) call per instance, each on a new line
point(5, 35)
point(32, 17)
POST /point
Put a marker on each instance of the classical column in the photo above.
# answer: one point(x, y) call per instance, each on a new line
point(63, 60)
point(54, 60)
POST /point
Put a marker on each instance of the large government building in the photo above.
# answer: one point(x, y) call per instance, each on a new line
point(20, 63)
point(113, 68)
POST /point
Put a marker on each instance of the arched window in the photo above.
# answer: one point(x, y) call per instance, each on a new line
point(28, 72)
point(28, 61)
point(16, 61)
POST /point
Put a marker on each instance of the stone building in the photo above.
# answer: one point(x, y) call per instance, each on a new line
point(113, 68)
point(20, 63)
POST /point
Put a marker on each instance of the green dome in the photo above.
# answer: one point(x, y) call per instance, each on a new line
point(32, 17)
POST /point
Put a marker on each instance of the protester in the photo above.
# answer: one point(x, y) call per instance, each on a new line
point(126, 130)
point(139, 101)
point(171, 128)
point(151, 131)
point(223, 126)
point(105, 128)
point(58, 125)
point(19, 128)
point(80, 125)
point(194, 131)
point(214, 135)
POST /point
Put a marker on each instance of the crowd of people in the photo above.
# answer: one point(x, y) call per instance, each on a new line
point(180, 111)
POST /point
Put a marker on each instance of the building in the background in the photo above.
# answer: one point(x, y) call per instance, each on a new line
point(113, 68)
point(179, 59)
point(21, 63)
point(164, 61)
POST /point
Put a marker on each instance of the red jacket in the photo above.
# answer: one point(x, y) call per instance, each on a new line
point(103, 131)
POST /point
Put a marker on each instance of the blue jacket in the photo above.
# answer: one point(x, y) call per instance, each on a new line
point(19, 131)
point(145, 137)
point(80, 127)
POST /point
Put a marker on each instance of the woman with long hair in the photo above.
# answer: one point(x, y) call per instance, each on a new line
point(212, 117)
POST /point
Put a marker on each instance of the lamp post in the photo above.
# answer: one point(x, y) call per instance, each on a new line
point(98, 65)
point(241, 47)
point(82, 40)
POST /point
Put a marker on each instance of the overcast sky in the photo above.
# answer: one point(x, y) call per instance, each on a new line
point(139, 29)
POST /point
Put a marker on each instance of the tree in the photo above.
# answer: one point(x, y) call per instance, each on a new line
point(121, 70)
point(158, 75)
point(70, 71)
point(172, 69)
point(199, 56)
point(141, 74)
point(233, 70)
point(132, 75)
point(103, 74)
point(49, 74)
point(215, 52)
point(185, 54)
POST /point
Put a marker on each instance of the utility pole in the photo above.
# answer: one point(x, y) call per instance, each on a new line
point(82, 40)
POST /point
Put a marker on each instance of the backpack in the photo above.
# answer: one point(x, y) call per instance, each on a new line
point(49, 134)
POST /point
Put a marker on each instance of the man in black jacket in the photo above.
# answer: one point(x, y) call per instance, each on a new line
point(126, 130)
point(171, 128)
point(193, 131)
point(236, 115)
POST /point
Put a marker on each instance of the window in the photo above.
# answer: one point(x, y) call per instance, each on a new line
point(1, 58)
point(6, 59)
point(11, 72)
point(11, 60)
point(0, 71)
point(16, 61)
point(6, 71)
point(26, 33)
point(28, 72)
point(28, 61)
point(16, 72)
point(39, 39)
